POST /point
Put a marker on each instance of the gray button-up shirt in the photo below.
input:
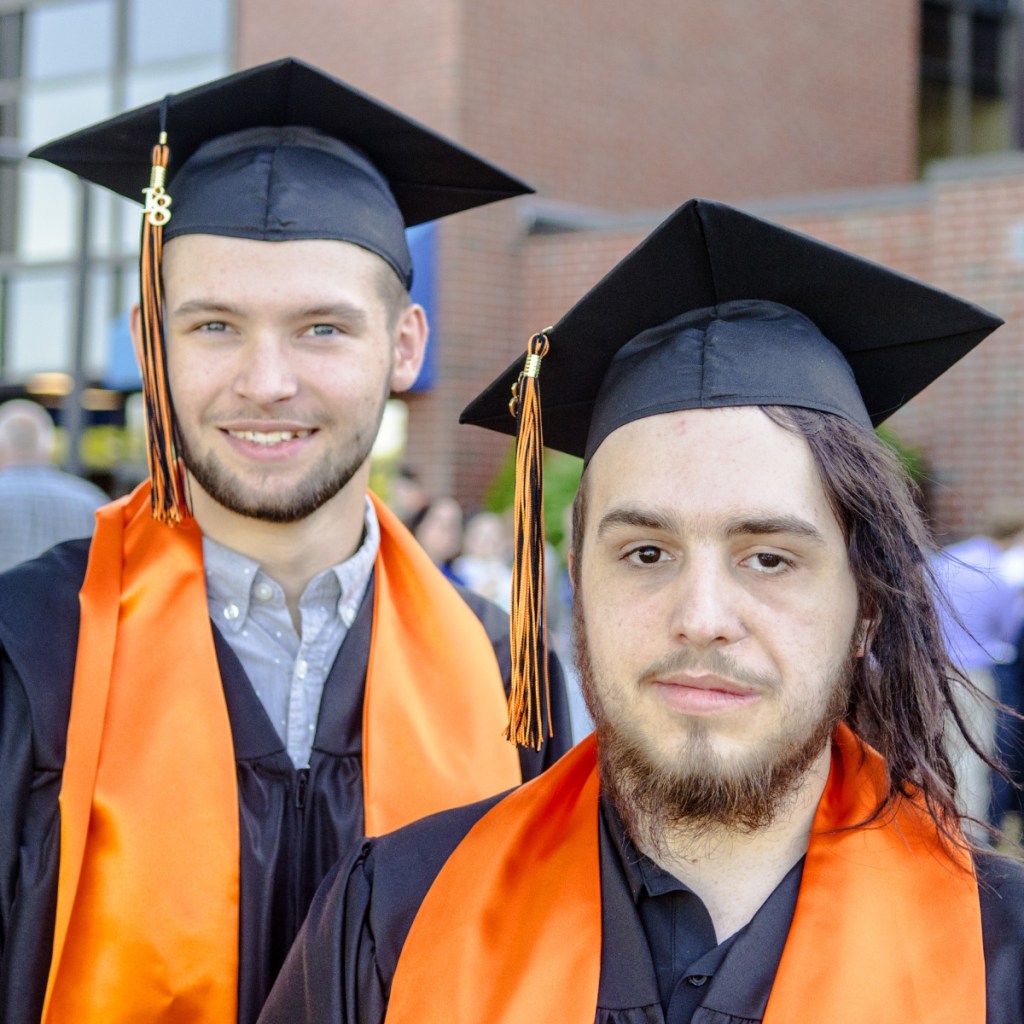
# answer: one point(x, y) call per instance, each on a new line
point(288, 669)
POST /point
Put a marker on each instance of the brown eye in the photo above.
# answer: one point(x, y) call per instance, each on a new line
point(647, 555)
point(768, 562)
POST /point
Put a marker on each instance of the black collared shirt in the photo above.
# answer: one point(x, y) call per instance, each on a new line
point(685, 952)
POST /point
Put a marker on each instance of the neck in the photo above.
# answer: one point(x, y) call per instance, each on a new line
point(732, 871)
point(290, 553)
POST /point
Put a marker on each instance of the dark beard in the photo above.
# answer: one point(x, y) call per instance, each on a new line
point(321, 484)
point(658, 805)
point(303, 502)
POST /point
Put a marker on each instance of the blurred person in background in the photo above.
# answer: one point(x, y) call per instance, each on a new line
point(407, 497)
point(485, 565)
point(981, 613)
point(1007, 528)
point(40, 505)
point(438, 528)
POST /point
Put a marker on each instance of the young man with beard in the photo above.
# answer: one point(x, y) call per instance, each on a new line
point(764, 826)
point(174, 790)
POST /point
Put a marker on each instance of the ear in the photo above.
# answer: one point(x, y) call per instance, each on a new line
point(410, 346)
point(135, 324)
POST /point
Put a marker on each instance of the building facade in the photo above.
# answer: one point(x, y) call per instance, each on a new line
point(823, 116)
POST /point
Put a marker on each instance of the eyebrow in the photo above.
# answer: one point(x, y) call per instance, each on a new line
point(644, 519)
point(337, 311)
point(752, 524)
point(772, 523)
point(202, 306)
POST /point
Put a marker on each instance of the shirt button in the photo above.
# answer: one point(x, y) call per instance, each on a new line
point(300, 669)
point(263, 591)
point(348, 615)
point(697, 980)
point(231, 612)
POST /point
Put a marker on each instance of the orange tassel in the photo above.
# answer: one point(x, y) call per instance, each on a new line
point(529, 703)
point(169, 493)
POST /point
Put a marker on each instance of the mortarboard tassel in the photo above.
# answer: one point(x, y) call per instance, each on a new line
point(529, 702)
point(169, 488)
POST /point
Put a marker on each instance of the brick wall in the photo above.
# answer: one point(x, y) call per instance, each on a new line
point(627, 106)
point(963, 231)
point(783, 107)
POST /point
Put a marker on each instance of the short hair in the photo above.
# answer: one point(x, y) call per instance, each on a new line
point(902, 699)
point(393, 293)
point(27, 433)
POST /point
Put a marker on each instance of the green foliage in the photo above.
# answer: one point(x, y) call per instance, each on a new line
point(561, 478)
point(913, 459)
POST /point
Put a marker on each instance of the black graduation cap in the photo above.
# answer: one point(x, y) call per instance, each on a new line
point(715, 308)
point(286, 151)
point(720, 308)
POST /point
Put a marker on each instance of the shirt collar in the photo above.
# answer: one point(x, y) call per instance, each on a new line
point(739, 984)
point(643, 876)
point(231, 576)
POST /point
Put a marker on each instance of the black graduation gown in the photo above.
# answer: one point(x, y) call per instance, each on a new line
point(294, 823)
point(340, 968)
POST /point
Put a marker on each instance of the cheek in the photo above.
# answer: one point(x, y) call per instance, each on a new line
point(193, 373)
point(813, 640)
point(349, 378)
point(616, 625)
point(190, 390)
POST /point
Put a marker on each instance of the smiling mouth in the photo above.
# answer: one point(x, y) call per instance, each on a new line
point(270, 437)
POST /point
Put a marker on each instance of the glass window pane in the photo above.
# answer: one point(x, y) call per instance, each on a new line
point(159, 30)
point(99, 337)
point(55, 109)
point(144, 85)
point(126, 281)
point(131, 227)
point(48, 212)
point(115, 223)
point(40, 337)
point(69, 38)
point(39, 323)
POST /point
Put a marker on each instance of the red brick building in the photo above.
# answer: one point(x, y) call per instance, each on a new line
point(810, 113)
point(617, 108)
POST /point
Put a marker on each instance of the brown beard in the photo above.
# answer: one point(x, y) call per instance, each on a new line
point(659, 805)
point(328, 479)
point(321, 484)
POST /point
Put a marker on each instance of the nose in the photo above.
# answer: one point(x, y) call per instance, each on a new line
point(266, 373)
point(707, 605)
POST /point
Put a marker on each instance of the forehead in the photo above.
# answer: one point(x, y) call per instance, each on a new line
point(709, 466)
point(220, 261)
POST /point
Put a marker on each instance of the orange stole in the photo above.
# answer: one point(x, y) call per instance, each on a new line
point(147, 896)
point(148, 891)
point(435, 710)
point(887, 925)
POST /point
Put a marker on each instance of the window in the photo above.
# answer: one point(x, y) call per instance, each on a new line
point(63, 65)
point(969, 78)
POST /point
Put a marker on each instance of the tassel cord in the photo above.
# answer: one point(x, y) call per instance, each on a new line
point(529, 700)
point(169, 484)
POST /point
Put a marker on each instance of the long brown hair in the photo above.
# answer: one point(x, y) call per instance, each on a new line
point(903, 699)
